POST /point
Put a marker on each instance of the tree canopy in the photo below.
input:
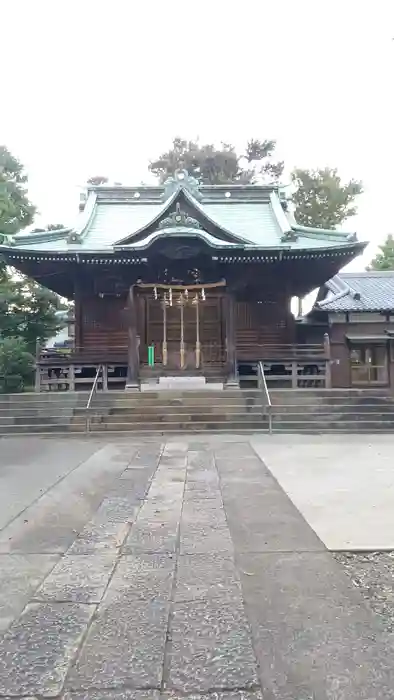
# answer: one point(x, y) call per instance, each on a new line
point(322, 199)
point(16, 210)
point(219, 165)
point(384, 260)
point(28, 311)
point(16, 365)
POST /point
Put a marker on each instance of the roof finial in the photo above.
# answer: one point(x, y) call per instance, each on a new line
point(181, 180)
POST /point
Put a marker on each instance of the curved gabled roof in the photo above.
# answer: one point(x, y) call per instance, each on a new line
point(119, 218)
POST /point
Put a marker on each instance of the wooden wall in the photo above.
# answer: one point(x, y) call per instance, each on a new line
point(102, 323)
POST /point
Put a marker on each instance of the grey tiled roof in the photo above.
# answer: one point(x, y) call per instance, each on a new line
point(359, 291)
point(229, 216)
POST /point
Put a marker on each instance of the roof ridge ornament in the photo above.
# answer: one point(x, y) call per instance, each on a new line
point(181, 180)
point(179, 218)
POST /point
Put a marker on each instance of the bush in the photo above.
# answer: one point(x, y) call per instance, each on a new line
point(16, 365)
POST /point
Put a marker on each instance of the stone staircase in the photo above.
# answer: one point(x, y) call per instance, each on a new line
point(193, 411)
point(126, 412)
point(332, 411)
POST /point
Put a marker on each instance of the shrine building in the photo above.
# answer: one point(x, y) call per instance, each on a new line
point(183, 280)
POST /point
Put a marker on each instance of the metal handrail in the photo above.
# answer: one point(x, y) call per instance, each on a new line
point(92, 392)
point(262, 384)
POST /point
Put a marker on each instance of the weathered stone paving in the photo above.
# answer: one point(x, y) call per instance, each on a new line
point(178, 569)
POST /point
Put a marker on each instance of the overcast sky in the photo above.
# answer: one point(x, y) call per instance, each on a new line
point(92, 87)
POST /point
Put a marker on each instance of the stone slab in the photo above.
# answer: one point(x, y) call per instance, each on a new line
point(211, 648)
point(206, 576)
point(51, 523)
point(260, 515)
point(101, 537)
point(29, 467)
point(197, 538)
point(35, 652)
point(124, 646)
point(313, 634)
point(78, 579)
point(123, 694)
point(20, 575)
point(331, 480)
point(230, 695)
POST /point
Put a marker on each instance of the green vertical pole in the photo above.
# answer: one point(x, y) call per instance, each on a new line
point(151, 355)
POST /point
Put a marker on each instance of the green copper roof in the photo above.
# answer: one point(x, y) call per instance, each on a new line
point(227, 216)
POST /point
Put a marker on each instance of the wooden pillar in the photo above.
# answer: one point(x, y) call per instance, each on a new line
point(105, 377)
point(71, 378)
point(198, 344)
point(232, 377)
point(294, 374)
point(37, 383)
point(133, 350)
point(327, 355)
point(78, 312)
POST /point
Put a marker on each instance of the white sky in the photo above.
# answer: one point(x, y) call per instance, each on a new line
point(96, 87)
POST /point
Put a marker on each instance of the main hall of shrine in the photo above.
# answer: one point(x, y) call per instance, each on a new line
point(182, 278)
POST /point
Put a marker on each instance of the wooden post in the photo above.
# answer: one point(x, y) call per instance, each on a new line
point(105, 377)
point(327, 355)
point(198, 344)
point(133, 359)
point(182, 345)
point(294, 374)
point(232, 378)
point(37, 383)
point(71, 378)
point(165, 349)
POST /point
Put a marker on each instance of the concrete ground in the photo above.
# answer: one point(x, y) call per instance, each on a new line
point(342, 484)
point(176, 568)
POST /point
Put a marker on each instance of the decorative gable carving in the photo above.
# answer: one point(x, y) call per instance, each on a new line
point(179, 218)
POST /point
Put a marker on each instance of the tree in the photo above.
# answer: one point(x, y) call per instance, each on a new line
point(219, 165)
point(16, 210)
point(97, 180)
point(28, 311)
point(322, 199)
point(16, 365)
point(384, 260)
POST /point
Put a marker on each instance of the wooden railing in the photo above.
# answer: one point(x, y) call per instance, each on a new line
point(292, 366)
point(282, 351)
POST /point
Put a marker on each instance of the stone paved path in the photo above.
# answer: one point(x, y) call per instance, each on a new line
point(177, 569)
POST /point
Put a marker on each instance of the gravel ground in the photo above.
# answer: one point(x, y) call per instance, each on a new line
point(373, 574)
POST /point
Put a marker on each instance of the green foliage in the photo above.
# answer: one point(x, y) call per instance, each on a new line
point(218, 166)
point(384, 260)
point(321, 199)
point(16, 211)
point(16, 365)
point(28, 311)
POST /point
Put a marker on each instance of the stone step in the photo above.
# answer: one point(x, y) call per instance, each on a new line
point(177, 417)
point(160, 426)
point(354, 426)
point(336, 410)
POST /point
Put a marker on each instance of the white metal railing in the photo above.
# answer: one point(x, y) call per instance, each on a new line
point(262, 384)
point(90, 399)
